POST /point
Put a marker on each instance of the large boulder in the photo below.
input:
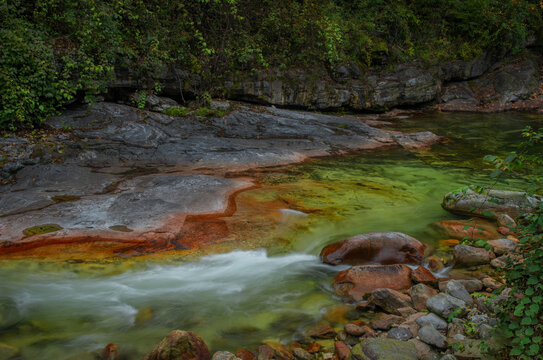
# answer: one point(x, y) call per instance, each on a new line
point(180, 345)
point(357, 281)
point(465, 255)
point(378, 247)
point(384, 349)
point(490, 203)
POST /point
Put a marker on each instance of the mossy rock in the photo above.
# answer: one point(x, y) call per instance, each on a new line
point(383, 349)
point(41, 229)
point(65, 198)
point(177, 111)
point(180, 345)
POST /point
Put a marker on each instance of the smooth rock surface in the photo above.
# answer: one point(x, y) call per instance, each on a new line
point(390, 300)
point(381, 248)
point(400, 333)
point(472, 203)
point(431, 336)
point(457, 290)
point(433, 320)
point(359, 280)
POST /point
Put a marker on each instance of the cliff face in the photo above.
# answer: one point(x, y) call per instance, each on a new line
point(483, 84)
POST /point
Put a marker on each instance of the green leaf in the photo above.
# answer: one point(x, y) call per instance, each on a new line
point(529, 291)
point(526, 321)
point(532, 280)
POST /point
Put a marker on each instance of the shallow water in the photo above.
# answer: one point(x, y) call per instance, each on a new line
point(241, 297)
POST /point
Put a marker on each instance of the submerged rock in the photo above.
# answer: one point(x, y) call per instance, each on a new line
point(384, 349)
point(110, 352)
point(490, 204)
point(9, 313)
point(358, 281)
point(379, 247)
point(180, 345)
point(470, 229)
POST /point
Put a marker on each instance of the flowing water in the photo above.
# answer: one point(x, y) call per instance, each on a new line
point(273, 287)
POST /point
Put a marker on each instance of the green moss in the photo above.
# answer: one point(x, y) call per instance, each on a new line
point(177, 111)
point(41, 229)
point(65, 198)
point(207, 112)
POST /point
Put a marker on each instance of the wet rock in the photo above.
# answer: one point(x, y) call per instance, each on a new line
point(465, 255)
point(180, 345)
point(444, 304)
point(245, 354)
point(110, 352)
point(423, 276)
point(342, 351)
point(420, 293)
point(470, 229)
point(456, 289)
point(406, 311)
point(385, 321)
point(357, 281)
point(224, 355)
point(422, 348)
point(400, 333)
point(384, 349)
point(431, 336)
point(382, 248)
point(411, 323)
point(354, 330)
point(433, 320)
point(300, 353)
point(472, 285)
point(505, 221)
point(273, 350)
point(435, 263)
point(7, 351)
point(313, 348)
point(472, 203)
point(322, 331)
point(390, 300)
point(9, 313)
point(502, 246)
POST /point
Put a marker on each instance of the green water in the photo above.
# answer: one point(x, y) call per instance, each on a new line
point(241, 297)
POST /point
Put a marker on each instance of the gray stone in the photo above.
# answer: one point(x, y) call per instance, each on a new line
point(499, 262)
point(503, 246)
point(383, 349)
point(422, 348)
point(512, 203)
point(472, 286)
point(224, 355)
point(301, 354)
point(448, 357)
point(456, 289)
point(444, 304)
point(432, 337)
point(390, 300)
point(220, 105)
point(505, 221)
point(400, 333)
point(433, 320)
point(466, 256)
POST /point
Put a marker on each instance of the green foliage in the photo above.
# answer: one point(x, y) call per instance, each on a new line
point(207, 112)
point(522, 316)
point(58, 50)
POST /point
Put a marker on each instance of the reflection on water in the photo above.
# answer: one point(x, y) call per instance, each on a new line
point(239, 298)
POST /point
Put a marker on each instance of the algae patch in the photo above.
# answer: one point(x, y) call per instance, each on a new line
point(65, 198)
point(41, 229)
point(122, 228)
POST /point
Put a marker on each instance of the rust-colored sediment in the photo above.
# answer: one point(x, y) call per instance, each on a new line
point(181, 232)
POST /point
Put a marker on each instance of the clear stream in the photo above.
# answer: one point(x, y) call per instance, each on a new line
point(266, 285)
